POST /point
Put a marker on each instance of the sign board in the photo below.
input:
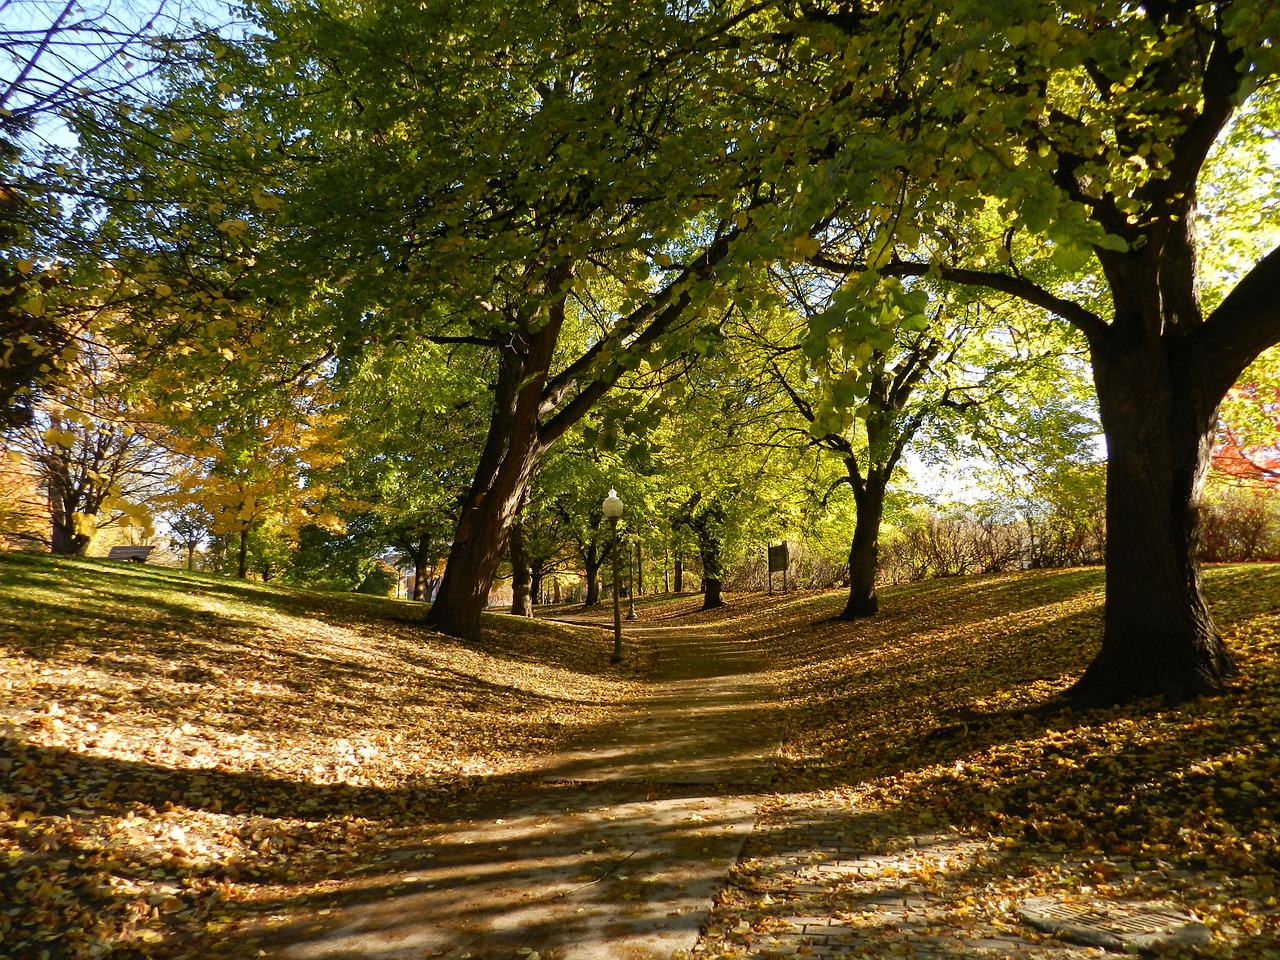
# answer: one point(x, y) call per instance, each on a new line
point(779, 560)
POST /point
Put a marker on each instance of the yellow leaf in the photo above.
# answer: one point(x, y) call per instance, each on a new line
point(807, 246)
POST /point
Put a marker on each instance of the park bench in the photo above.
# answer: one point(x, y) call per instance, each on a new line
point(136, 554)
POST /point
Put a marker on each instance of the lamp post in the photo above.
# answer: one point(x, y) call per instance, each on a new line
point(612, 508)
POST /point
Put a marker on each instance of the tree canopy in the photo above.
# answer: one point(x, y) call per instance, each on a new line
point(861, 227)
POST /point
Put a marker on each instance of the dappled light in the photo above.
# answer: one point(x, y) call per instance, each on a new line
point(210, 771)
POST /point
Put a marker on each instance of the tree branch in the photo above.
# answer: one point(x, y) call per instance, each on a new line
point(1243, 325)
point(1086, 321)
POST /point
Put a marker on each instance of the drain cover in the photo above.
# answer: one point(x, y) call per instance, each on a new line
point(1116, 924)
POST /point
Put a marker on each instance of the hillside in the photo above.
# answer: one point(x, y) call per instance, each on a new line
point(183, 755)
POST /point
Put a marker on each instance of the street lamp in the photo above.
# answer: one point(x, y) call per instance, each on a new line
point(612, 508)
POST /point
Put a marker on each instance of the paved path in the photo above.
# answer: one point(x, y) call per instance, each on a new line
point(615, 849)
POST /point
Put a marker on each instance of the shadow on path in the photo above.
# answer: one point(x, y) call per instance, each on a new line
point(615, 848)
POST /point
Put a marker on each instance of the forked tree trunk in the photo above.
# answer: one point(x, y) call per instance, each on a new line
point(483, 529)
point(511, 454)
point(64, 540)
point(1158, 639)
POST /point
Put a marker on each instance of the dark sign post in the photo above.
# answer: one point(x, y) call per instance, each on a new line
point(778, 561)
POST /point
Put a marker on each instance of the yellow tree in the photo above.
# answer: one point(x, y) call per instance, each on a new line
point(91, 449)
point(260, 468)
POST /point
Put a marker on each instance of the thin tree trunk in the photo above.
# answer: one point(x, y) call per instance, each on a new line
point(521, 601)
point(419, 555)
point(592, 563)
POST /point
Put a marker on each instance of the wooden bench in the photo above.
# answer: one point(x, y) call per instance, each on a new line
point(136, 554)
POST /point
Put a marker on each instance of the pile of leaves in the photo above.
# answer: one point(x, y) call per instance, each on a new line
point(924, 721)
point(181, 754)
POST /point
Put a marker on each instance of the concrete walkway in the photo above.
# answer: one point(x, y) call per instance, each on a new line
point(614, 849)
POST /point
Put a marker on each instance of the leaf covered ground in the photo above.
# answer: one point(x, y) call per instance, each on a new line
point(182, 755)
point(187, 759)
point(915, 724)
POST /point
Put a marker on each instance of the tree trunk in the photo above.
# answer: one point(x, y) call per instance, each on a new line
point(679, 573)
point(536, 577)
point(1158, 636)
point(711, 593)
point(521, 601)
point(864, 550)
point(707, 525)
point(242, 555)
point(591, 564)
point(64, 540)
point(639, 571)
point(511, 454)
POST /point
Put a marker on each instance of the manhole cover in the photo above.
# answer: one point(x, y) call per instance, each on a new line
point(1116, 924)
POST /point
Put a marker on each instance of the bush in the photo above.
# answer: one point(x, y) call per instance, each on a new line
point(950, 546)
point(1240, 524)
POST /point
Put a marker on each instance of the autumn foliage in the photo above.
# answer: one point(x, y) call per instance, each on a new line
point(189, 762)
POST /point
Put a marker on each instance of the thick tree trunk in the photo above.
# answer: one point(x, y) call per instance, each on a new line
point(242, 555)
point(711, 593)
point(864, 549)
point(521, 580)
point(511, 454)
point(1159, 639)
point(710, 548)
point(63, 538)
point(481, 541)
point(679, 573)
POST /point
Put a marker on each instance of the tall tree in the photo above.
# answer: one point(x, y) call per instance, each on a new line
point(498, 175)
point(1088, 129)
point(93, 451)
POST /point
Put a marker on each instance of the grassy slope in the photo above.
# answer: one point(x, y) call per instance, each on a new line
point(176, 747)
point(180, 751)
